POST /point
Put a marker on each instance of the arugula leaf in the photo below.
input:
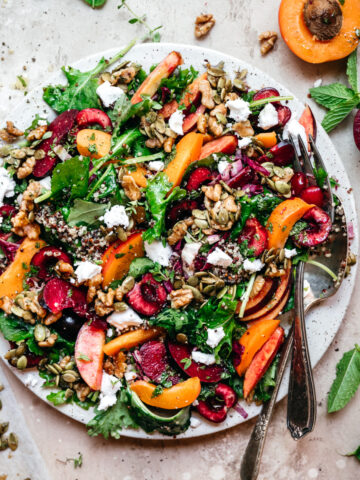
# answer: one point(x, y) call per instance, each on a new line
point(96, 3)
point(158, 198)
point(320, 176)
point(355, 453)
point(124, 110)
point(109, 423)
point(178, 82)
point(105, 185)
point(347, 380)
point(351, 70)
point(87, 213)
point(58, 398)
point(34, 347)
point(71, 175)
point(140, 266)
point(80, 92)
point(174, 321)
point(14, 329)
point(338, 113)
point(331, 95)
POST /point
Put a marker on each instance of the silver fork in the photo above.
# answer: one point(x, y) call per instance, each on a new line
point(321, 290)
point(301, 406)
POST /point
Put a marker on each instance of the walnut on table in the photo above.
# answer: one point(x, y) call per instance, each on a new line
point(10, 133)
point(267, 41)
point(203, 24)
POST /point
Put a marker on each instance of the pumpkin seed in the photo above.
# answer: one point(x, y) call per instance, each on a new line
point(70, 376)
point(181, 338)
point(52, 369)
point(270, 183)
point(222, 217)
point(220, 284)
point(217, 98)
point(13, 441)
point(222, 292)
point(201, 223)
point(19, 154)
point(21, 363)
point(121, 234)
point(39, 332)
point(217, 71)
point(193, 281)
point(201, 274)
point(10, 354)
point(57, 380)
point(57, 368)
point(3, 444)
point(201, 214)
point(20, 349)
point(212, 80)
point(278, 171)
point(120, 307)
point(270, 258)
point(69, 366)
point(39, 154)
point(208, 280)
point(282, 187)
point(3, 427)
point(210, 290)
point(197, 295)
point(69, 393)
point(128, 284)
point(281, 255)
point(160, 125)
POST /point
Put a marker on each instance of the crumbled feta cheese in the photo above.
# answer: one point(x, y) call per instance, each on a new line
point(222, 166)
point(110, 332)
point(62, 153)
point(268, 117)
point(115, 216)
point(110, 385)
point(239, 110)
point(156, 165)
point(244, 142)
point(194, 422)
point(125, 319)
point(195, 403)
point(86, 270)
point(253, 266)
point(318, 82)
point(204, 358)
point(19, 198)
point(42, 122)
point(188, 255)
point(290, 253)
point(157, 252)
point(130, 373)
point(46, 182)
point(294, 128)
point(214, 336)
point(7, 185)
point(108, 93)
point(219, 258)
point(176, 122)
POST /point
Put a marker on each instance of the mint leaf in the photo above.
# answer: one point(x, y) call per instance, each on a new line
point(71, 176)
point(96, 3)
point(338, 113)
point(86, 213)
point(346, 382)
point(140, 266)
point(355, 453)
point(351, 70)
point(331, 95)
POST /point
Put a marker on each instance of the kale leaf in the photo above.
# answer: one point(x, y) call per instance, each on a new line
point(71, 176)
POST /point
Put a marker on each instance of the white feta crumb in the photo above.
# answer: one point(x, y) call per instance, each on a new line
point(46, 182)
point(19, 198)
point(219, 258)
point(157, 252)
point(176, 122)
point(62, 153)
point(7, 185)
point(42, 122)
point(115, 216)
point(130, 373)
point(253, 266)
point(318, 82)
point(127, 318)
point(86, 270)
point(214, 336)
point(188, 255)
point(195, 403)
point(108, 93)
point(268, 117)
point(222, 166)
point(109, 332)
point(156, 165)
point(204, 358)
point(290, 253)
point(294, 128)
point(110, 385)
point(194, 422)
point(244, 142)
point(239, 110)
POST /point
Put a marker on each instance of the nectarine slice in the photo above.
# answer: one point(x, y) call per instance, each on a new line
point(89, 355)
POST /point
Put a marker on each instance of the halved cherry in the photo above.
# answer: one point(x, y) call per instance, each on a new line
point(298, 183)
point(245, 176)
point(91, 116)
point(154, 362)
point(148, 296)
point(198, 177)
point(255, 235)
point(215, 408)
point(46, 259)
point(318, 230)
point(9, 248)
point(313, 195)
point(284, 114)
point(266, 93)
point(282, 154)
point(59, 295)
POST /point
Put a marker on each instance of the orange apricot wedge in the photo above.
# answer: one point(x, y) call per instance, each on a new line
point(93, 143)
point(226, 144)
point(131, 339)
point(267, 139)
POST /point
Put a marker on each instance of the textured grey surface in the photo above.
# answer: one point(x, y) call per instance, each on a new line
point(56, 33)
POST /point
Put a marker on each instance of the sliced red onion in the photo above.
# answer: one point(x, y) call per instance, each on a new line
point(240, 410)
point(351, 233)
point(257, 167)
point(236, 167)
point(252, 189)
point(168, 286)
point(62, 153)
point(9, 248)
point(213, 239)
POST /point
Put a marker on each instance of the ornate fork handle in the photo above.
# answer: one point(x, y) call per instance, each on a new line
point(251, 460)
point(301, 407)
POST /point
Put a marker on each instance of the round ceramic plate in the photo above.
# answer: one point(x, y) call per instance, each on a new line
point(320, 330)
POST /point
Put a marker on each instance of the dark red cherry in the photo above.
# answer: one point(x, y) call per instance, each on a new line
point(298, 183)
point(313, 195)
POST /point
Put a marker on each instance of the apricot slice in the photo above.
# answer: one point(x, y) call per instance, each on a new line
point(226, 144)
point(93, 143)
point(131, 339)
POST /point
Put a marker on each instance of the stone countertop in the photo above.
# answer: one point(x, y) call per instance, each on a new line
point(40, 36)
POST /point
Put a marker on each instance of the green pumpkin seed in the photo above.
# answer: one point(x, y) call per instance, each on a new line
point(193, 281)
point(282, 187)
point(222, 292)
point(21, 363)
point(39, 332)
point(69, 393)
point(69, 377)
point(201, 223)
point(13, 441)
point(278, 171)
point(4, 427)
point(201, 214)
point(52, 369)
point(70, 365)
point(197, 295)
point(222, 217)
point(19, 154)
point(39, 154)
point(270, 258)
point(210, 290)
point(128, 284)
point(282, 255)
point(220, 284)
point(10, 354)
point(181, 338)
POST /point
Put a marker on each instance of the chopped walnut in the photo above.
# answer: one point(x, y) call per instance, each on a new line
point(230, 205)
point(219, 110)
point(257, 286)
point(22, 222)
point(52, 318)
point(215, 127)
point(203, 24)
point(29, 301)
point(82, 391)
point(181, 298)
point(206, 94)
point(10, 133)
point(101, 309)
point(132, 191)
point(267, 41)
point(168, 144)
point(37, 133)
point(6, 304)
point(212, 192)
point(153, 143)
point(179, 231)
point(64, 269)
point(49, 341)
point(93, 284)
point(26, 168)
point(106, 298)
point(202, 124)
point(244, 129)
point(116, 365)
point(273, 271)
point(126, 75)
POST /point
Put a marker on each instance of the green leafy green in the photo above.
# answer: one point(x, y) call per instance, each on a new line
point(174, 321)
point(264, 387)
point(86, 213)
point(331, 95)
point(158, 197)
point(351, 71)
point(71, 176)
point(338, 113)
point(105, 185)
point(124, 110)
point(58, 398)
point(320, 176)
point(140, 266)
point(178, 82)
point(14, 328)
point(80, 92)
point(355, 453)
point(110, 422)
point(347, 380)
point(95, 3)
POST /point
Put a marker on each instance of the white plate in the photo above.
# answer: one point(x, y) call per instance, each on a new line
point(322, 322)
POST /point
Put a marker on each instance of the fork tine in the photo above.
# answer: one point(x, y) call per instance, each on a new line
point(306, 162)
point(297, 164)
point(319, 163)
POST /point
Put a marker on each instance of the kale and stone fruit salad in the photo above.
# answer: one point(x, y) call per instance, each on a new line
point(148, 235)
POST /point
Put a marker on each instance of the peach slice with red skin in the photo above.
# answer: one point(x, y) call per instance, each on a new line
point(307, 120)
point(89, 355)
point(226, 144)
point(262, 360)
point(254, 304)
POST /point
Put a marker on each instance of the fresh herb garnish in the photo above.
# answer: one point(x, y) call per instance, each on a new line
point(153, 33)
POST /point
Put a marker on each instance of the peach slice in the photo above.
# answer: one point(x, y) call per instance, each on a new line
point(89, 355)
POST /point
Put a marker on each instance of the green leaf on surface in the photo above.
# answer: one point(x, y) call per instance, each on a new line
point(71, 176)
point(110, 422)
point(95, 3)
point(355, 453)
point(331, 95)
point(347, 380)
point(351, 70)
point(338, 113)
point(86, 213)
